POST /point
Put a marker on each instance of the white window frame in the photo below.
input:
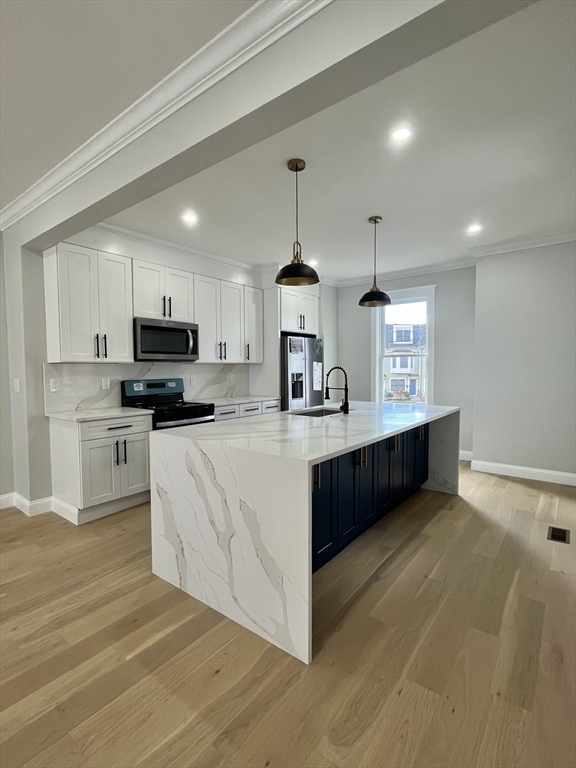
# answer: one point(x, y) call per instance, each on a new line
point(402, 295)
point(398, 378)
point(399, 327)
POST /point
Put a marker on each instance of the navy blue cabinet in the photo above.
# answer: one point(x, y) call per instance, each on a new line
point(351, 492)
point(324, 523)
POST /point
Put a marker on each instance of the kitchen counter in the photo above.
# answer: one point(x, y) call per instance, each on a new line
point(231, 505)
point(95, 414)
point(238, 400)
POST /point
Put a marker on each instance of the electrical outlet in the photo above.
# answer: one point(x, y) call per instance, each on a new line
point(54, 385)
point(16, 385)
point(233, 378)
point(192, 379)
point(105, 382)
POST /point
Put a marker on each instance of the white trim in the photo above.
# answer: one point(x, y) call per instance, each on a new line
point(81, 516)
point(445, 266)
point(465, 455)
point(508, 246)
point(32, 508)
point(251, 33)
point(527, 473)
point(6, 500)
point(168, 245)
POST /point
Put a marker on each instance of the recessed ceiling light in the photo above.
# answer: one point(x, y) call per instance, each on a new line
point(190, 218)
point(313, 262)
point(473, 229)
point(401, 134)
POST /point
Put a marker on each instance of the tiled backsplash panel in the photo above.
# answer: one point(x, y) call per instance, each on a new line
point(81, 384)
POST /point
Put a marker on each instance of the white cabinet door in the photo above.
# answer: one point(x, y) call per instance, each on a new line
point(207, 312)
point(149, 290)
point(78, 298)
point(290, 310)
point(179, 295)
point(232, 308)
point(253, 325)
point(134, 464)
point(100, 471)
point(115, 301)
point(308, 309)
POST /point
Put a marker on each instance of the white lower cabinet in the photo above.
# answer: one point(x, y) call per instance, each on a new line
point(90, 470)
point(240, 410)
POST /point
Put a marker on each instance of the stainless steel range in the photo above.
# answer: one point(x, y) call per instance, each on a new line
point(166, 398)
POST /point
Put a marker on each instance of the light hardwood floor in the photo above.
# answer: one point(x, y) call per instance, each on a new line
point(444, 637)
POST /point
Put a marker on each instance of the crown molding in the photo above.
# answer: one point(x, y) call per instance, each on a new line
point(324, 280)
point(427, 270)
point(255, 30)
point(508, 246)
point(170, 245)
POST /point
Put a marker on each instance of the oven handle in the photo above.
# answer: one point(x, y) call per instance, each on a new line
point(183, 422)
point(190, 341)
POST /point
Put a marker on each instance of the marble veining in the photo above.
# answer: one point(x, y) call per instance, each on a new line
point(81, 383)
point(95, 414)
point(232, 512)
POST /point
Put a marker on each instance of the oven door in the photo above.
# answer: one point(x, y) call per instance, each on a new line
point(165, 340)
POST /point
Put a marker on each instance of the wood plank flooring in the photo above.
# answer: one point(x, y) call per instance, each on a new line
point(444, 636)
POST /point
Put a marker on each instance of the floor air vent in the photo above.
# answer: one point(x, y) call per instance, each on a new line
point(559, 534)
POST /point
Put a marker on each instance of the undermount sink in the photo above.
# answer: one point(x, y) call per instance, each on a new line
point(319, 412)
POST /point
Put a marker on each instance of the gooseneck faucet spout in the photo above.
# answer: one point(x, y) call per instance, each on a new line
point(345, 407)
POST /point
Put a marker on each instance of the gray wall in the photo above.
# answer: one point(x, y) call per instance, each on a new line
point(453, 339)
point(526, 340)
point(6, 461)
point(328, 326)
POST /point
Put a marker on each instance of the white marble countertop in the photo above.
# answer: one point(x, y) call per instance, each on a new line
point(94, 414)
point(237, 400)
point(313, 439)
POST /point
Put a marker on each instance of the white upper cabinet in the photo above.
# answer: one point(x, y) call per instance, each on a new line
point(232, 321)
point(179, 295)
point(115, 303)
point(207, 307)
point(163, 293)
point(299, 311)
point(149, 290)
point(74, 330)
point(88, 298)
point(253, 325)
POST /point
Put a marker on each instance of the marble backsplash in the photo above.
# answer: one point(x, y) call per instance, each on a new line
point(81, 384)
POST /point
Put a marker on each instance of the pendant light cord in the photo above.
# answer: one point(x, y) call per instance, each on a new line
point(297, 240)
point(375, 227)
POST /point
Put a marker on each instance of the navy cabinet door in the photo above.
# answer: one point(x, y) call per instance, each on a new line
point(397, 449)
point(347, 497)
point(324, 523)
point(410, 441)
point(421, 454)
point(367, 506)
point(382, 477)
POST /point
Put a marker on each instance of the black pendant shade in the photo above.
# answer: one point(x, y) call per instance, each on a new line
point(297, 272)
point(375, 297)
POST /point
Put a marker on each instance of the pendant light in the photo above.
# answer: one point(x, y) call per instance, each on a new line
point(297, 273)
point(375, 297)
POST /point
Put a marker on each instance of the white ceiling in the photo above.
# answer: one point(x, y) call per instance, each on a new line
point(494, 142)
point(68, 67)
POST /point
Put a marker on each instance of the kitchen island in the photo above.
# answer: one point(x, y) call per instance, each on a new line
point(233, 502)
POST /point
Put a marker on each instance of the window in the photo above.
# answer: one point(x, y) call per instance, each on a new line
point(403, 335)
point(403, 344)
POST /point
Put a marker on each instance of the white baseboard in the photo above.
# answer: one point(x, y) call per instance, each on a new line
point(526, 473)
point(32, 508)
point(6, 500)
point(69, 512)
point(465, 455)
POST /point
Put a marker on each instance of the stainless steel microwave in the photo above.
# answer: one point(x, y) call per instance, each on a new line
point(165, 340)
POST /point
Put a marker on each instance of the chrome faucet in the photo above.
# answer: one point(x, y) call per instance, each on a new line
point(345, 407)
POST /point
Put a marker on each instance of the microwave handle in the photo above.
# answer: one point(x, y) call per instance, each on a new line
point(190, 341)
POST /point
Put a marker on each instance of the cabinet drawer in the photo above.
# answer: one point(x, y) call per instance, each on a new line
point(251, 409)
point(270, 406)
point(92, 430)
point(226, 412)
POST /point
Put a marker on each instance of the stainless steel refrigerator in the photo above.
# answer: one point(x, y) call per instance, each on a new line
point(302, 372)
